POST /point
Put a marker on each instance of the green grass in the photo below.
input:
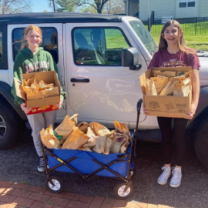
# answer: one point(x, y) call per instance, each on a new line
point(200, 28)
point(193, 41)
point(196, 35)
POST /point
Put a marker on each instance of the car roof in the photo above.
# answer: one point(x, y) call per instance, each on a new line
point(57, 17)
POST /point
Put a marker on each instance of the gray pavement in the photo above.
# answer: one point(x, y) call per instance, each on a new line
point(19, 165)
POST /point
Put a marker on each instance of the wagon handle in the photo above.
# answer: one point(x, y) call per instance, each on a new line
point(139, 104)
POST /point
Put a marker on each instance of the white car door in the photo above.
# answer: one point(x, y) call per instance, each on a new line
point(52, 42)
point(99, 88)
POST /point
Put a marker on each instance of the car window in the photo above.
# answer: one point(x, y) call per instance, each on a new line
point(144, 35)
point(98, 46)
point(49, 43)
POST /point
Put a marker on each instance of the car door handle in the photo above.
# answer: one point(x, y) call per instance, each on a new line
point(80, 80)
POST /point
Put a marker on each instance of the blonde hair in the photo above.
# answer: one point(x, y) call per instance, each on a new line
point(27, 31)
point(181, 42)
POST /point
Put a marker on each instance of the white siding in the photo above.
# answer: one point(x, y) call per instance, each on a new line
point(169, 8)
point(203, 8)
point(143, 10)
point(186, 12)
point(160, 7)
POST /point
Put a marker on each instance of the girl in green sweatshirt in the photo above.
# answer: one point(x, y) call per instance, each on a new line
point(33, 58)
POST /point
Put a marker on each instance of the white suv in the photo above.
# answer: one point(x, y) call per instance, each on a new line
point(101, 84)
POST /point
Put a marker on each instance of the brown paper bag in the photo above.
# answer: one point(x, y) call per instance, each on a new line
point(99, 129)
point(50, 92)
point(28, 82)
point(65, 128)
point(100, 144)
point(74, 119)
point(160, 83)
point(183, 88)
point(48, 138)
point(92, 138)
point(174, 83)
point(83, 127)
point(43, 85)
point(184, 91)
point(168, 89)
point(85, 149)
point(75, 140)
point(108, 145)
point(35, 86)
point(150, 87)
point(120, 137)
point(124, 147)
point(122, 128)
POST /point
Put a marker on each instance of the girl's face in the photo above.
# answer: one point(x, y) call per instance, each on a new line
point(33, 38)
point(172, 35)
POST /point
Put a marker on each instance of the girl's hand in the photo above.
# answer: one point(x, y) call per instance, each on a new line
point(59, 104)
point(145, 111)
point(24, 108)
point(191, 114)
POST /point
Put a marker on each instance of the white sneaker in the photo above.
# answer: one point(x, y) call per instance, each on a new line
point(163, 178)
point(176, 178)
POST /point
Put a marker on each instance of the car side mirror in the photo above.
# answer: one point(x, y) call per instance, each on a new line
point(130, 58)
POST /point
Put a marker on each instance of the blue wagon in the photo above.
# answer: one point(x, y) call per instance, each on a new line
point(87, 164)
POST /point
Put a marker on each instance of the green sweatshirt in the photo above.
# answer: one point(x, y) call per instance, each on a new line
point(27, 62)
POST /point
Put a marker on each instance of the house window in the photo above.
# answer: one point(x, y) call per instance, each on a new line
point(186, 3)
point(182, 3)
point(191, 3)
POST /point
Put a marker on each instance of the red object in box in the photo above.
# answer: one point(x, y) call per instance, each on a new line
point(43, 109)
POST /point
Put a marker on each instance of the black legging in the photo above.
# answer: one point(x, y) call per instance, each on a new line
point(179, 138)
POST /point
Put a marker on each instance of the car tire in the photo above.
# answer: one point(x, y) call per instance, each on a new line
point(11, 125)
point(201, 142)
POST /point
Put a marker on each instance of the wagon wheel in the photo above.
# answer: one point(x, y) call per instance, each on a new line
point(119, 190)
point(57, 185)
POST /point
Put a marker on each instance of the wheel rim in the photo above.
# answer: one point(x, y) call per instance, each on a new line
point(121, 192)
point(56, 185)
point(2, 127)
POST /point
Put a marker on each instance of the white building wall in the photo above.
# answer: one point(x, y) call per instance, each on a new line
point(143, 10)
point(203, 8)
point(170, 8)
point(160, 7)
point(186, 12)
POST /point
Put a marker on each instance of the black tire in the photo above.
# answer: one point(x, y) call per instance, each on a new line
point(11, 125)
point(201, 142)
point(58, 184)
point(118, 190)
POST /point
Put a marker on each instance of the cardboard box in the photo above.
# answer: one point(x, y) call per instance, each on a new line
point(39, 105)
point(165, 106)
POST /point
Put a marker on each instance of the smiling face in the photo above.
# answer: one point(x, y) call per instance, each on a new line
point(33, 38)
point(172, 35)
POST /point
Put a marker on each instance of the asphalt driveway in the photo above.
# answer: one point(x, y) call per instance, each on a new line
point(19, 165)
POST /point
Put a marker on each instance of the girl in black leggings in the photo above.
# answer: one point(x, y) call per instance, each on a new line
point(173, 51)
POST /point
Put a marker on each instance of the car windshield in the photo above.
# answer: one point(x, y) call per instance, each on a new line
point(144, 35)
